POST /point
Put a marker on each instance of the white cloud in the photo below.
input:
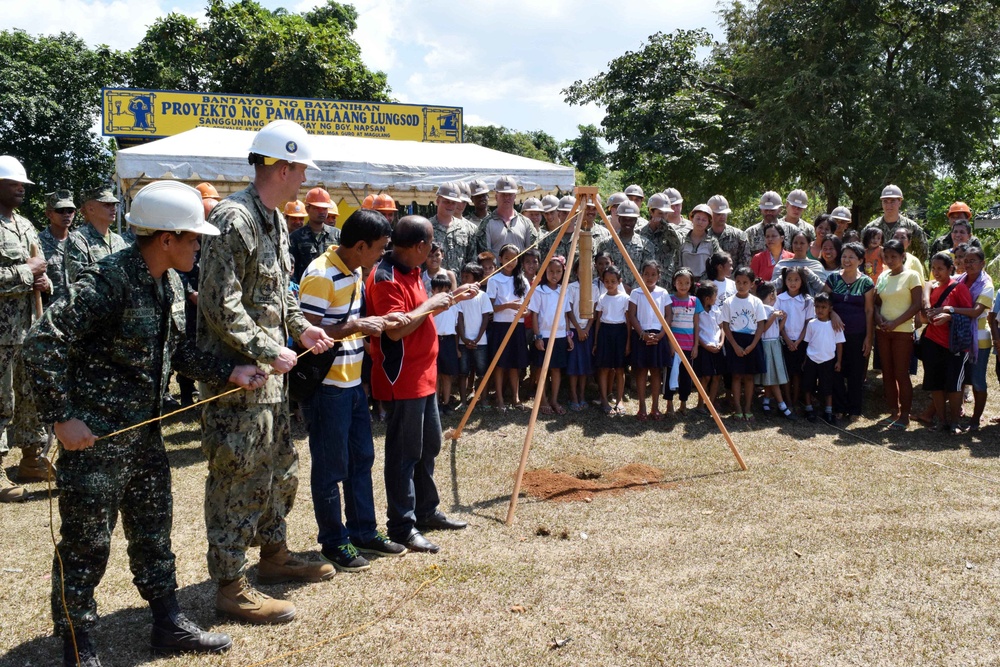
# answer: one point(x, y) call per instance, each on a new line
point(120, 24)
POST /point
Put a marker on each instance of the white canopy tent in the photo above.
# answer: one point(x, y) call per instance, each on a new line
point(351, 167)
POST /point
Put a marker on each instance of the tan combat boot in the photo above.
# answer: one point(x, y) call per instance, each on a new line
point(242, 601)
point(278, 565)
point(9, 491)
point(34, 467)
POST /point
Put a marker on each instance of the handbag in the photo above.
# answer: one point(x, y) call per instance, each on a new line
point(918, 343)
point(310, 370)
point(960, 338)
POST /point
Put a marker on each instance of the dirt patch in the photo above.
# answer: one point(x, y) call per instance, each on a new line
point(582, 478)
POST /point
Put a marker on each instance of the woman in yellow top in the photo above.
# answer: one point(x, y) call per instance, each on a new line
point(898, 298)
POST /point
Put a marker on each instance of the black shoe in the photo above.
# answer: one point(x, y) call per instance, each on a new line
point(170, 403)
point(345, 558)
point(438, 521)
point(84, 648)
point(173, 632)
point(811, 416)
point(829, 418)
point(790, 416)
point(417, 542)
point(380, 545)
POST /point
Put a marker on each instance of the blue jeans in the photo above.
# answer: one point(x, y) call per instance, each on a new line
point(340, 441)
point(412, 442)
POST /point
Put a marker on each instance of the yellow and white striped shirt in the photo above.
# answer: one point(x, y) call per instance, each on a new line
point(326, 290)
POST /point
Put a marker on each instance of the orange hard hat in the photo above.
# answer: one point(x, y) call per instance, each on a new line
point(369, 203)
point(959, 207)
point(319, 197)
point(207, 191)
point(384, 203)
point(295, 209)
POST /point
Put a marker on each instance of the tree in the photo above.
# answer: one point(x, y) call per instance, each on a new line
point(536, 144)
point(586, 153)
point(49, 102)
point(245, 48)
point(840, 95)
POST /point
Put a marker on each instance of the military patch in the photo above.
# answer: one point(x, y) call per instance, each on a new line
point(139, 313)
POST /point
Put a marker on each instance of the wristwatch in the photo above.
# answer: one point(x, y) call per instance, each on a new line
point(950, 310)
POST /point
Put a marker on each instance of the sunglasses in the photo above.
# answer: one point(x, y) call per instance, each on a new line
point(65, 211)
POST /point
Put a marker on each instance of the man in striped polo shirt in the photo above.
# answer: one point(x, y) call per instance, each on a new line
point(340, 432)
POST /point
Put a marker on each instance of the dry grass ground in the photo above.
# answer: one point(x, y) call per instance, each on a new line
point(826, 551)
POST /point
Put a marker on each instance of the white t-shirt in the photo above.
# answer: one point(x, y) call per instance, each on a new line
point(573, 296)
point(773, 332)
point(543, 303)
point(798, 310)
point(500, 290)
point(726, 288)
point(613, 307)
point(822, 341)
point(709, 331)
point(743, 314)
point(446, 320)
point(473, 311)
point(644, 312)
point(599, 289)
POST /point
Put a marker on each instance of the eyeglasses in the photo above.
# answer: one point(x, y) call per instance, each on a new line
point(65, 211)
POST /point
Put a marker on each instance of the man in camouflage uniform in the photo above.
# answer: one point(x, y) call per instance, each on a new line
point(795, 205)
point(99, 360)
point(480, 195)
point(20, 274)
point(731, 239)
point(247, 313)
point(770, 204)
point(676, 214)
point(505, 225)
point(59, 209)
point(891, 219)
point(599, 233)
point(455, 235)
point(665, 239)
point(639, 247)
point(94, 239)
point(311, 240)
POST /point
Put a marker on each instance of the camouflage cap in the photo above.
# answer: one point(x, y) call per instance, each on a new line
point(59, 199)
point(102, 194)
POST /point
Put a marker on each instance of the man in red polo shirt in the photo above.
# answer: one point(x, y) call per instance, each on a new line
point(404, 375)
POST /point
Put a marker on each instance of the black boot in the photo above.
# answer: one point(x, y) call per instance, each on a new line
point(84, 648)
point(173, 632)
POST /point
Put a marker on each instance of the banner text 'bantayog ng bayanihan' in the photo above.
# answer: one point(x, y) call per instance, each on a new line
point(147, 114)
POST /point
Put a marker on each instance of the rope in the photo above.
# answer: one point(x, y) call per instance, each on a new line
point(913, 457)
point(361, 628)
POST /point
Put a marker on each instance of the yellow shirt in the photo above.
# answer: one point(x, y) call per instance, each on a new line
point(894, 291)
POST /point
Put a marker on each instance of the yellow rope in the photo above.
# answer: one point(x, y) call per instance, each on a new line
point(362, 627)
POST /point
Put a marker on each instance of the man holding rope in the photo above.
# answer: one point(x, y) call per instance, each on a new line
point(99, 361)
point(247, 313)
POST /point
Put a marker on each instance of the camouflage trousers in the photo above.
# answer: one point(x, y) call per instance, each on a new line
point(19, 425)
point(95, 485)
point(252, 466)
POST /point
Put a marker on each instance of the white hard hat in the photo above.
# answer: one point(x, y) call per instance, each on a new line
point(892, 192)
point(673, 195)
point(566, 203)
point(770, 201)
point(284, 140)
point(658, 202)
point(550, 203)
point(841, 213)
point(628, 209)
point(168, 206)
point(798, 198)
point(616, 199)
point(12, 170)
point(719, 204)
point(634, 191)
point(532, 204)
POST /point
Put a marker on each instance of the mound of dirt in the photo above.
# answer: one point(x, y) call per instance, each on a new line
point(582, 478)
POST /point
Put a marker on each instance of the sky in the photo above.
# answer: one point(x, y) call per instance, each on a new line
point(504, 63)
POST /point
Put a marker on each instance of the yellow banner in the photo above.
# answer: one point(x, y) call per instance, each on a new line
point(153, 114)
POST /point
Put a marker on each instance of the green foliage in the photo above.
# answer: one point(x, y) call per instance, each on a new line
point(586, 154)
point(245, 48)
point(839, 95)
point(536, 144)
point(49, 101)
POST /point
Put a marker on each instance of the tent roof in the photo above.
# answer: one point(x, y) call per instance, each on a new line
point(213, 154)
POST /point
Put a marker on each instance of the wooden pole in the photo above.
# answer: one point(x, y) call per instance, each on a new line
point(540, 389)
point(457, 432)
point(673, 344)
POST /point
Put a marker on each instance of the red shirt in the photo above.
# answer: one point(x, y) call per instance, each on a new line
point(762, 264)
point(406, 368)
point(960, 297)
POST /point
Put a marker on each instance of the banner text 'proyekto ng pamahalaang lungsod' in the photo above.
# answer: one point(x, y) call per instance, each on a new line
point(137, 115)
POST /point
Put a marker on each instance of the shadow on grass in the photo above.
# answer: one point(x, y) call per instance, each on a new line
point(122, 637)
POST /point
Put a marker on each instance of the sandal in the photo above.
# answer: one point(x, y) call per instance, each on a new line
point(545, 410)
point(560, 410)
point(641, 416)
point(619, 409)
point(608, 410)
point(887, 422)
point(655, 415)
point(898, 426)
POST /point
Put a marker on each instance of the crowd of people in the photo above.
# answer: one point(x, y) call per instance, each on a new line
point(404, 316)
